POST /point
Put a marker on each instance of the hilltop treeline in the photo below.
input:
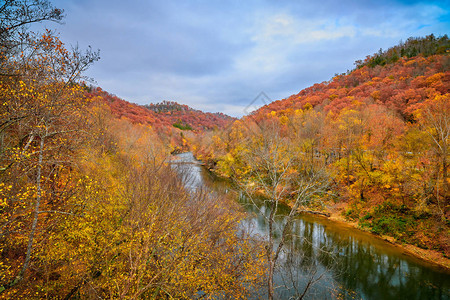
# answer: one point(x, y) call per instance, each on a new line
point(426, 46)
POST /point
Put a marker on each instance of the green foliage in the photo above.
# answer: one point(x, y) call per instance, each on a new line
point(427, 46)
point(389, 225)
point(351, 213)
point(182, 126)
point(390, 219)
point(367, 216)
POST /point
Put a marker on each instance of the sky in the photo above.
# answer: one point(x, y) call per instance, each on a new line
point(220, 55)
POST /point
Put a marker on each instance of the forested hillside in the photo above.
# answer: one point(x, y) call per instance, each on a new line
point(164, 114)
point(174, 123)
point(186, 118)
point(381, 132)
point(401, 85)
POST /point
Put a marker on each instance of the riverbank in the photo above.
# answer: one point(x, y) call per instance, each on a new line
point(430, 256)
point(335, 214)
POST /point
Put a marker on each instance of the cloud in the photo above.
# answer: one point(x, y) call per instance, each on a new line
point(290, 30)
point(219, 55)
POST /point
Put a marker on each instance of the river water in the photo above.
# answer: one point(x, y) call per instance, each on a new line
point(347, 263)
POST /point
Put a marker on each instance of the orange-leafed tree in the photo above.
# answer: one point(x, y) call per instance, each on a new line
point(41, 111)
point(434, 117)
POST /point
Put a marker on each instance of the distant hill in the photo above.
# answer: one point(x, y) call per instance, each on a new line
point(400, 83)
point(187, 118)
point(166, 114)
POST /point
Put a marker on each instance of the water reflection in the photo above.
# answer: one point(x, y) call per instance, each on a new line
point(188, 168)
point(350, 264)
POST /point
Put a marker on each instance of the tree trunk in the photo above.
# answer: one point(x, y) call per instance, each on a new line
point(270, 280)
point(445, 174)
point(20, 276)
point(270, 257)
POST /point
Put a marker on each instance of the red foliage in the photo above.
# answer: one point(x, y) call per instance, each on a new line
point(400, 86)
point(161, 116)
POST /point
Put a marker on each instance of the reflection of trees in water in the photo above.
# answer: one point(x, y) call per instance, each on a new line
point(301, 265)
point(349, 264)
point(361, 267)
point(298, 263)
point(371, 272)
point(300, 270)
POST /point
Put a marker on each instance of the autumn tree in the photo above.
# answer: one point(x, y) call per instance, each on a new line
point(15, 18)
point(40, 113)
point(307, 127)
point(281, 176)
point(435, 120)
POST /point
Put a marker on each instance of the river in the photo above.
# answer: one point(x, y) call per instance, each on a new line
point(351, 264)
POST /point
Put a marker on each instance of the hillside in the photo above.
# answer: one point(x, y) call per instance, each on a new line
point(380, 133)
point(401, 86)
point(185, 117)
point(162, 115)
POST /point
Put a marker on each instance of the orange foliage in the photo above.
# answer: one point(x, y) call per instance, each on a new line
point(399, 86)
point(161, 115)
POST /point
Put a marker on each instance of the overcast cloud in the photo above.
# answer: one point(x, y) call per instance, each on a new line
point(219, 55)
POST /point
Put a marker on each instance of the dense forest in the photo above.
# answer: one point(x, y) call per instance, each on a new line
point(174, 123)
point(381, 132)
point(164, 114)
point(89, 206)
